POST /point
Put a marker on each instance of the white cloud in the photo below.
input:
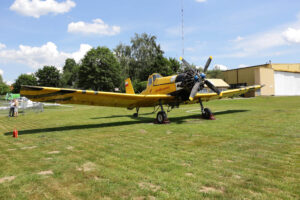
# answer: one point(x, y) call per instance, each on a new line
point(237, 39)
point(98, 27)
point(36, 8)
point(265, 42)
point(8, 82)
point(200, 1)
point(292, 35)
point(2, 46)
point(242, 65)
point(220, 67)
point(47, 54)
point(1, 72)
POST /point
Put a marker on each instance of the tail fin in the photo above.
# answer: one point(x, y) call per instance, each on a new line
point(128, 86)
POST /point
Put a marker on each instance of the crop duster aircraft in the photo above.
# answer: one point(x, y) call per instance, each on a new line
point(171, 90)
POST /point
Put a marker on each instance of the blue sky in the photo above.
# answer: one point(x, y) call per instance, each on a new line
point(236, 33)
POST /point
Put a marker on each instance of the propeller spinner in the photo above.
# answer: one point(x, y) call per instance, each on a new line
point(200, 79)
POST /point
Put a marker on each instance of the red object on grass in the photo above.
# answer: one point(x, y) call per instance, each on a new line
point(15, 133)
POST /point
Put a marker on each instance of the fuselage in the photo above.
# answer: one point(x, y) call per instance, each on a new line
point(161, 85)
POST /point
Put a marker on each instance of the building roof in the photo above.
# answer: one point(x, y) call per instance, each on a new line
point(285, 67)
point(220, 83)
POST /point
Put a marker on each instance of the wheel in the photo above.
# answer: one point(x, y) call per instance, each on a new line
point(135, 114)
point(161, 117)
point(207, 113)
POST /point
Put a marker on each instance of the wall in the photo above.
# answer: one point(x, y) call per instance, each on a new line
point(265, 76)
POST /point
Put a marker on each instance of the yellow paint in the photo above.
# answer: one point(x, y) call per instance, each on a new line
point(128, 87)
point(159, 91)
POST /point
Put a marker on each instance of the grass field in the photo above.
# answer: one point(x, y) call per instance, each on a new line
point(252, 151)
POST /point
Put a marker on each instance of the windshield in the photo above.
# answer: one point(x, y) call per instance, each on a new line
point(149, 81)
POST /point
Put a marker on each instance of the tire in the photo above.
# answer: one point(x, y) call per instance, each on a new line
point(207, 113)
point(161, 117)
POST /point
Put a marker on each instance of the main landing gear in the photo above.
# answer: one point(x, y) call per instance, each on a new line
point(161, 117)
point(137, 112)
point(206, 112)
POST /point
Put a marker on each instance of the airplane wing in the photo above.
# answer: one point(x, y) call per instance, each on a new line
point(226, 94)
point(90, 97)
point(98, 98)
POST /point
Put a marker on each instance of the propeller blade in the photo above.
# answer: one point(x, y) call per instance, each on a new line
point(212, 87)
point(194, 90)
point(207, 64)
point(185, 62)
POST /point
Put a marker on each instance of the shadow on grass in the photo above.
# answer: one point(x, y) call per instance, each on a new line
point(117, 116)
point(139, 120)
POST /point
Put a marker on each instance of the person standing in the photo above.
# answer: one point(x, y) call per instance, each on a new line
point(16, 107)
point(12, 108)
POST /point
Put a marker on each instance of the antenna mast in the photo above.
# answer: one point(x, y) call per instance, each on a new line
point(182, 28)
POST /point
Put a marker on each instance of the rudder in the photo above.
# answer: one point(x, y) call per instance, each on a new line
point(128, 87)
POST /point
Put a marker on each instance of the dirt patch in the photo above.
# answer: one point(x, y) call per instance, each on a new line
point(237, 176)
point(143, 131)
point(89, 166)
point(32, 147)
point(48, 158)
point(11, 149)
point(54, 152)
point(230, 161)
point(139, 198)
point(169, 132)
point(186, 164)
point(70, 148)
point(149, 186)
point(49, 172)
point(7, 179)
point(144, 198)
point(210, 189)
point(189, 174)
point(105, 198)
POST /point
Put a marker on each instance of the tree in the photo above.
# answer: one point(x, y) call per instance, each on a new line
point(48, 76)
point(24, 79)
point(4, 88)
point(69, 77)
point(174, 65)
point(147, 57)
point(216, 73)
point(99, 70)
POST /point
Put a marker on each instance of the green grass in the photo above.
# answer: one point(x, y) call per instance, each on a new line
point(252, 151)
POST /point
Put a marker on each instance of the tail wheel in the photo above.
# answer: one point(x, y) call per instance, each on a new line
point(161, 117)
point(207, 113)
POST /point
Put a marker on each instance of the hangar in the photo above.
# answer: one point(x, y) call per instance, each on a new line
point(279, 79)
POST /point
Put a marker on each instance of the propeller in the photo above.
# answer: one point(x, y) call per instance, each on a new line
point(200, 79)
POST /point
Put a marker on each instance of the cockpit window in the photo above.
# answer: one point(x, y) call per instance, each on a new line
point(150, 81)
point(156, 76)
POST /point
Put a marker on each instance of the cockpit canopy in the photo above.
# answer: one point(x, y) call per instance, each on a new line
point(152, 78)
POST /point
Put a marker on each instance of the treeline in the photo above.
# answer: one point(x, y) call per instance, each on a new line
point(104, 69)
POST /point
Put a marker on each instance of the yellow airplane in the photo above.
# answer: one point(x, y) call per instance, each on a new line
point(171, 90)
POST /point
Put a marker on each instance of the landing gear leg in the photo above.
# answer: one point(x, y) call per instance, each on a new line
point(137, 112)
point(206, 112)
point(161, 117)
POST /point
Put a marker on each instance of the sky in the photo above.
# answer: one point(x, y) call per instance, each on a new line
point(34, 33)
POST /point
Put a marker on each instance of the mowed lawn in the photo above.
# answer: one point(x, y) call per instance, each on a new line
point(252, 151)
